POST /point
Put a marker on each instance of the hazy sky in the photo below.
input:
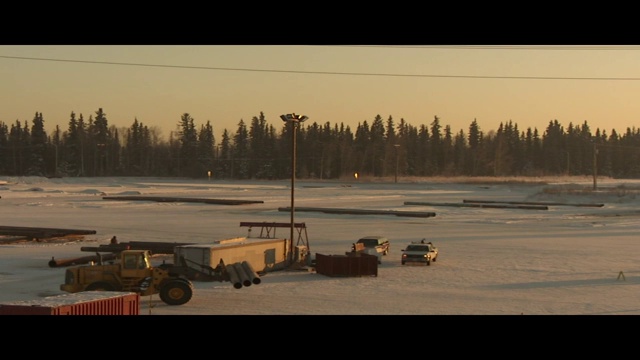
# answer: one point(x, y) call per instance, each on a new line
point(529, 85)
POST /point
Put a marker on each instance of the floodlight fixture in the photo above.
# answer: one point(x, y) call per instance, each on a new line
point(293, 117)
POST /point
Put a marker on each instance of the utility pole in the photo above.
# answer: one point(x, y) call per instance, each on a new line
point(294, 120)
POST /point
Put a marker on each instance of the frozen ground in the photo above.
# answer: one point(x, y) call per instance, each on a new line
point(564, 260)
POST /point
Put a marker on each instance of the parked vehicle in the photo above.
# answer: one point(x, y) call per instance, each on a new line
point(379, 243)
point(420, 252)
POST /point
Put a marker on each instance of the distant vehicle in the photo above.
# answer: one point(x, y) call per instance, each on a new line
point(420, 252)
point(379, 243)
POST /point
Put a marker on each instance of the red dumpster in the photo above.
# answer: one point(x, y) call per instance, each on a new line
point(82, 303)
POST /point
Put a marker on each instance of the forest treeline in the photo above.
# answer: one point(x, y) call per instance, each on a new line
point(259, 150)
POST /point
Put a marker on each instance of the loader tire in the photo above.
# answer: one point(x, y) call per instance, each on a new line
point(100, 286)
point(176, 292)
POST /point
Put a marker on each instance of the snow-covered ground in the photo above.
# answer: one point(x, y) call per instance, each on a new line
point(502, 261)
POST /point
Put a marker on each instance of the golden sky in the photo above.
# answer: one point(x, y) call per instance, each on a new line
point(528, 85)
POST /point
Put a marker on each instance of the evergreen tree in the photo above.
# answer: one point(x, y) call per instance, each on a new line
point(4, 148)
point(224, 155)
point(173, 154)
point(587, 148)
point(537, 151)
point(528, 157)
point(501, 158)
point(131, 153)
point(362, 148)
point(114, 152)
point(474, 139)
point(459, 153)
point(259, 165)
point(134, 149)
point(240, 152)
point(552, 148)
point(390, 142)
point(72, 156)
point(572, 148)
point(448, 161)
point(377, 145)
point(346, 159)
point(435, 146)
point(18, 146)
point(402, 134)
point(55, 144)
point(94, 148)
point(272, 154)
point(99, 136)
point(206, 148)
point(412, 156)
point(310, 150)
point(188, 159)
point(424, 153)
point(38, 149)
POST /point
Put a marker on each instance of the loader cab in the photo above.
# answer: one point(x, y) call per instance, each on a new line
point(135, 263)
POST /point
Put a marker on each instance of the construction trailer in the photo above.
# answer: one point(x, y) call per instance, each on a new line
point(263, 255)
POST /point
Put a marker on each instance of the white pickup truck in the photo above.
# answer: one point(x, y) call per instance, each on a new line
point(419, 252)
point(372, 245)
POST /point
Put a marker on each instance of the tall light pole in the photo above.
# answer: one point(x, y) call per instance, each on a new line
point(293, 119)
point(218, 167)
point(397, 157)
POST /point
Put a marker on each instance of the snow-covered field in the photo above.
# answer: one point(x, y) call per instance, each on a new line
point(564, 260)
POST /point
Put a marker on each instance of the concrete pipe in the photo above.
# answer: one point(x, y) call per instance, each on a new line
point(242, 274)
point(255, 278)
point(233, 276)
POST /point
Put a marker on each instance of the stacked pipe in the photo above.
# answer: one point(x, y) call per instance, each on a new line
point(42, 232)
point(98, 258)
point(234, 277)
point(152, 246)
point(242, 274)
point(253, 276)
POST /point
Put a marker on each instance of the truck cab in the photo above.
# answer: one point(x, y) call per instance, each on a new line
point(421, 252)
